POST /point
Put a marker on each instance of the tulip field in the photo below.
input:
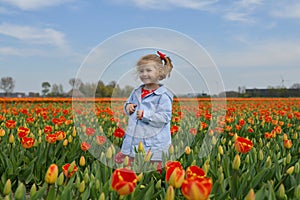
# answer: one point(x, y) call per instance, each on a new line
point(51, 149)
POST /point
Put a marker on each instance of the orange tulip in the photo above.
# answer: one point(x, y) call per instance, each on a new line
point(287, 144)
point(60, 135)
point(193, 131)
point(85, 146)
point(269, 135)
point(174, 173)
point(51, 138)
point(196, 188)
point(2, 132)
point(124, 181)
point(27, 142)
point(243, 145)
point(51, 174)
point(2, 118)
point(100, 140)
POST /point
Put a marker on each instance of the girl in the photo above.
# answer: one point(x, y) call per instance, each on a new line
point(149, 107)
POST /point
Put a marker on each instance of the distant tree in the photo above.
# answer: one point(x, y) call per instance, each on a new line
point(75, 83)
point(88, 89)
point(110, 88)
point(46, 88)
point(57, 90)
point(295, 86)
point(101, 89)
point(7, 84)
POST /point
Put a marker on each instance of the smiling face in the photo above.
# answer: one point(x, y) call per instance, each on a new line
point(148, 73)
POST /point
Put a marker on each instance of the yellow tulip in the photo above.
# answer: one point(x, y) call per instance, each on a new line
point(51, 174)
point(236, 162)
point(82, 161)
point(7, 187)
point(170, 193)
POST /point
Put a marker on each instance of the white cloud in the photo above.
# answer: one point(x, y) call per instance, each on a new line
point(158, 4)
point(235, 16)
point(10, 51)
point(242, 10)
point(248, 3)
point(287, 11)
point(5, 11)
point(33, 35)
point(34, 4)
point(268, 54)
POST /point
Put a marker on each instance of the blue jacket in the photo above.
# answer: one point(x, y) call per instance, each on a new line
point(153, 130)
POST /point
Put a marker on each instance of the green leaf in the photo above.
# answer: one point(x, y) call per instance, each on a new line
point(51, 193)
point(261, 194)
point(243, 184)
point(149, 192)
point(40, 193)
point(85, 195)
point(271, 195)
point(258, 178)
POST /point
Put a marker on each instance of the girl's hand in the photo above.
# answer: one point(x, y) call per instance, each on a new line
point(139, 114)
point(130, 108)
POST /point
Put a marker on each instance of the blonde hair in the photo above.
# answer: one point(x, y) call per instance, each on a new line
point(164, 65)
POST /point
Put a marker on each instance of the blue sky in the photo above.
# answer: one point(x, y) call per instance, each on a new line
point(254, 43)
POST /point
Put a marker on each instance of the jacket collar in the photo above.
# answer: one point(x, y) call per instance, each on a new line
point(162, 89)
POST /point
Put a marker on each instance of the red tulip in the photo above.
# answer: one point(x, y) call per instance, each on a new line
point(243, 145)
point(242, 122)
point(174, 173)
point(194, 171)
point(23, 132)
point(57, 121)
point(30, 120)
point(51, 138)
point(27, 142)
point(124, 181)
point(174, 129)
point(119, 133)
point(69, 169)
point(196, 188)
point(90, 131)
point(10, 124)
point(47, 129)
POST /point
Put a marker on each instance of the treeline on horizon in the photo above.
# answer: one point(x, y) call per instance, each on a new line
point(112, 89)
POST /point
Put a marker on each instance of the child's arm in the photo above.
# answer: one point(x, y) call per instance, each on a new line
point(161, 115)
point(130, 108)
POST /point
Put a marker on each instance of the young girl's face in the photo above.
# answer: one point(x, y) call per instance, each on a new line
point(148, 73)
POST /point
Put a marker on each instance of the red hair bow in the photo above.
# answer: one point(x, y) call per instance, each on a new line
point(161, 55)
